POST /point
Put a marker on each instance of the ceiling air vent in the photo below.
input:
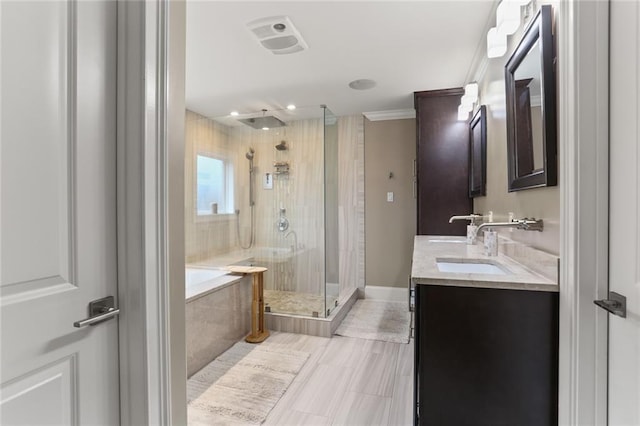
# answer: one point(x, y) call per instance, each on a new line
point(278, 35)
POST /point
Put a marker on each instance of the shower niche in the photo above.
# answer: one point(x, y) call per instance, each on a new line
point(290, 227)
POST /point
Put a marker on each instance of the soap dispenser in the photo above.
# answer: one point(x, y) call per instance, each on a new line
point(490, 242)
point(472, 231)
point(474, 228)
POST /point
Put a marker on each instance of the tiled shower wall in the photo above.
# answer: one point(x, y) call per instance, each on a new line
point(204, 238)
point(351, 202)
point(300, 194)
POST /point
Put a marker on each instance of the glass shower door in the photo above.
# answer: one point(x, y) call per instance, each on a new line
point(331, 203)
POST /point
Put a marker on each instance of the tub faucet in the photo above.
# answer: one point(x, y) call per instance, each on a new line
point(524, 224)
point(294, 247)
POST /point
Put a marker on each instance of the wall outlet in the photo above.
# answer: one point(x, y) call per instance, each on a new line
point(390, 197)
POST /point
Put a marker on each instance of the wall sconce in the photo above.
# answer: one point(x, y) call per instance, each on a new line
point(470, 93)
point(507, 23)
point(496, 44)
point(508, 17)
point(467, 100)
point(463, 112)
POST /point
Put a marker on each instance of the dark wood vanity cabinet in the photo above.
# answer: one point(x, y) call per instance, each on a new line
point(442, 162)
point(485, 356)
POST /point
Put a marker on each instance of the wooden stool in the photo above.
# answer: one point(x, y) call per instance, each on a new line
point(258, 332)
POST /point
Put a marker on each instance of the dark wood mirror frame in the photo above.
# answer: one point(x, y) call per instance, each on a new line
point(540, 30)
point(478, 153)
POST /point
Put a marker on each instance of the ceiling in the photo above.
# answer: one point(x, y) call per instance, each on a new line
point(403, 46)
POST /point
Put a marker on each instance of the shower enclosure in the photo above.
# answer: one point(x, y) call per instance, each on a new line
point(265, 187)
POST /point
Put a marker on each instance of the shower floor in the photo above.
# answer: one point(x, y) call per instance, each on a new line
point(291, 302)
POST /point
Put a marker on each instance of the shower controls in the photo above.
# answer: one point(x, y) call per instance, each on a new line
point(283, 222)
point(281, 168)
point(267, 183)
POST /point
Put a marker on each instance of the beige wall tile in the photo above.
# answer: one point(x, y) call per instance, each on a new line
point(300, 193)
point(215, 322)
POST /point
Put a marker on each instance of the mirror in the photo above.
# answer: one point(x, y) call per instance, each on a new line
point(531, 111)
point(478, 153)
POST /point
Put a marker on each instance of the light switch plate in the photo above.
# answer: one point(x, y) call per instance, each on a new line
point(390, 197)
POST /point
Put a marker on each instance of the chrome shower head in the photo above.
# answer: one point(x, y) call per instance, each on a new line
point(250, 154)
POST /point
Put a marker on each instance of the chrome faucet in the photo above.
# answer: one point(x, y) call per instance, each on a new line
point(472, 217)
point(294, 247)
point(472, 229)
point(525, 224)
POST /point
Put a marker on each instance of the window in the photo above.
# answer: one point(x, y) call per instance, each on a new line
point(214, 185)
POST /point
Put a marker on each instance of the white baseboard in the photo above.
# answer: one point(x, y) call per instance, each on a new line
point(390, 294)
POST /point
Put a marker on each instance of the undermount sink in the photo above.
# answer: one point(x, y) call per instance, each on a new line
point(442, 240)
point(470, 266)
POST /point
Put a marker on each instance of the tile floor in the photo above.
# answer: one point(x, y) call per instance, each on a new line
point(347, 381)
point(296, 303)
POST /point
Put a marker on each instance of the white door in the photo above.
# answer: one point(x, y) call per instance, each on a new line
point(58, 212)
point(624, 228)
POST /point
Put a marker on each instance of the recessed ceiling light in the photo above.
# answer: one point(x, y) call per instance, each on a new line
point(235, 113)
point(362, 84)
point(265, 128)
point(291, 107)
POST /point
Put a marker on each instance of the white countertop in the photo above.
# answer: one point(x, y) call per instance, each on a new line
point(424, 269)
